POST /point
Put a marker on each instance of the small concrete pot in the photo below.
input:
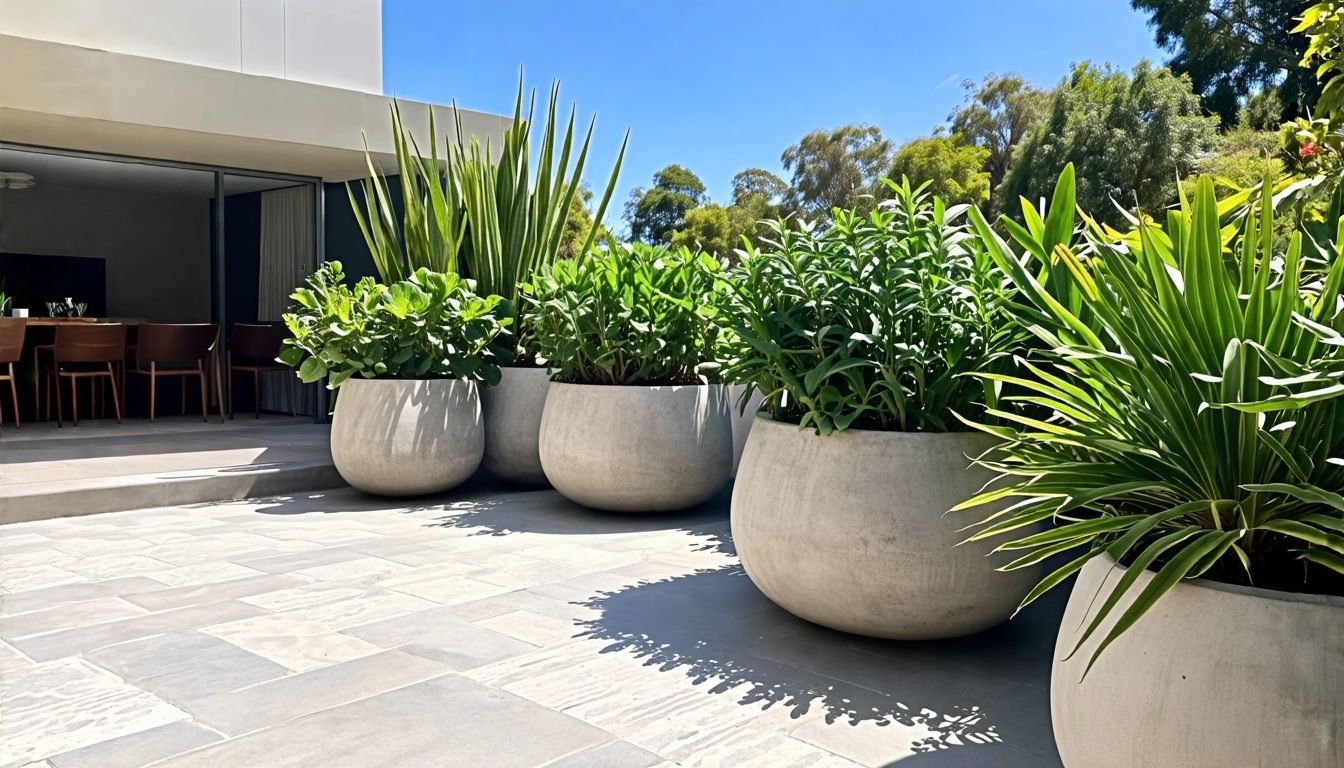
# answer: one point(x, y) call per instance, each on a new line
point(404, 437)
point(742, 420)
point(1213, 675)
point(637, 449)
point(852, 531)
point(512, 412)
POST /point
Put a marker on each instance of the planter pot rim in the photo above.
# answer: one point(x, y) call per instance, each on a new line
point(874, 434)
point(634, 386)
point(1237, 589)
point(389, 380)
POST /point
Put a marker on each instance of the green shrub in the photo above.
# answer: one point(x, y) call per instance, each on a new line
point(428, 326)
point(872, 323)
point(1197, 427)
point(634, 314)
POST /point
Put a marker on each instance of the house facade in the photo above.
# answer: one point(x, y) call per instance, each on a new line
point(185, 160)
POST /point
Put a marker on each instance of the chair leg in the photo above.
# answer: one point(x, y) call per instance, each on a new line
point(48, 417)
point(116, 400)
point(205, 397)
point(14, 392)
point(153, 392)
point(256, 392)
point(74, 402)
point(228, 376)
point(290, 394)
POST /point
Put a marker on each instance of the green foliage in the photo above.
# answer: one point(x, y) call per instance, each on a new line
point(496, 218)
point(872, 323)
point(996, 115)
point(1242, 158)
point(429, 326)
point(1197, 427)
point(634, 314)
point(953, 167)
point(840, 168)
point(655, 213)
point(715, 230)
point(1130, 137)
point(1322, 27)
point(516, 213)
point(427, 232)
point(759, 193)
point(1230, 48)
point(1262, 111)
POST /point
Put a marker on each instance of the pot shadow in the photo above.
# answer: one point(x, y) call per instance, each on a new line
point(976, 701)
point(487, 508)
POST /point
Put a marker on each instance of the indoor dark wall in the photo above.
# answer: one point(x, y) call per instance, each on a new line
point(242, 262)
point(345, 243)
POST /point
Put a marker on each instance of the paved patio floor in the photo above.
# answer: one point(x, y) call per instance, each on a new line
point(506, 629)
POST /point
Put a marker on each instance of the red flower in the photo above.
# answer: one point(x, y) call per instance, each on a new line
point(1308, 151)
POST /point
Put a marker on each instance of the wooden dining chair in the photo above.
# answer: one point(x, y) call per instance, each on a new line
point(12, 332)
point(85, 351)
point(175, 349)
point(253, 348)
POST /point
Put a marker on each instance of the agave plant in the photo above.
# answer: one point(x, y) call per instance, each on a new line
point(1197, 426)
point(428, 230)
point(497, 219)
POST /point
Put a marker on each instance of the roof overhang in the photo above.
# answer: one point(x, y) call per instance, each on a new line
point(68, 97)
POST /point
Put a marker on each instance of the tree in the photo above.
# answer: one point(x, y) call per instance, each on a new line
point(655, 213)
point(1129, 136)
point(954, 166)
point(836, 169)
point(759, 190)
point(715, 229)
point(1231, 48)
point(1262, 112)
point(996, 115)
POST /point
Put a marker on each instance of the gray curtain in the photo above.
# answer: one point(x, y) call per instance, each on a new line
point(288, 255)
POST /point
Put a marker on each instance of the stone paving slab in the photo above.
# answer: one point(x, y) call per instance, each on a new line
point(482, 628)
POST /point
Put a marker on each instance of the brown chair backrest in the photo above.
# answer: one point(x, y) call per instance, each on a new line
point(258, 341)
point(174, 343)
point(90, 343)
point(12, 331)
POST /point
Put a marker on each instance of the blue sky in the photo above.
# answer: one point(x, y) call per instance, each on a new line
point(723, 85)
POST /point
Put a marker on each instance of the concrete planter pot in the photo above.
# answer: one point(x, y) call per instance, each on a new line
point(742, 421)
point(852, 531)
point(636, 449)
point(1213, 675)
point(396, 437)
point(512, 412)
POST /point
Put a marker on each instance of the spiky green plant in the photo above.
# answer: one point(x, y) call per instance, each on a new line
point(428, 230)
point(515, 212)
point(1197, 426)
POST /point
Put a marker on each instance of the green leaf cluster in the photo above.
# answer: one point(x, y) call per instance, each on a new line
point(872, 323)
point(495, 218)
point(429, 326)
point(632, 314)
point(1194, 378)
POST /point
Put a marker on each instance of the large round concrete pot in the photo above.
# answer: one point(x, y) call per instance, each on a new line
point(512, 412)
point(852, 531)
point(742, 420)
point(397, 437)
point(636, 449)
point(1212, 676)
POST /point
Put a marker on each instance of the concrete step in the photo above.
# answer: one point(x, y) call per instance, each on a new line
point(101, 466)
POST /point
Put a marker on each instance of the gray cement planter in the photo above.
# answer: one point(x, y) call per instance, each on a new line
point(741, 421)
point(851, 531)
point(512, 413)
point(636, 449)
point(394, 437)
point(1212, 676)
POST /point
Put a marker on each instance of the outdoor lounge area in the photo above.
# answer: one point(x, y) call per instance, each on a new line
point(998, 426)
point(496, 628)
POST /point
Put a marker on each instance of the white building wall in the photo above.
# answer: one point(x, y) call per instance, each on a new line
point(329, 42)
